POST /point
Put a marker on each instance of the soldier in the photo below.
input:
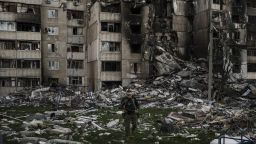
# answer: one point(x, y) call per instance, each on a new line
point(130, 105)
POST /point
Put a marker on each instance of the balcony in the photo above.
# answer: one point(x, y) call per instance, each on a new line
point(111, 56)
point(251, 75)
point(110, 36)
point(21, 54)
point(76, 72)
point(76, 22)
point(76, 55)
point(76, 39)
point(251, 44)
point(12, 72)
point(251, 11)
point(111, 76)
point(251, 27)
point(106, 16)
point(20, 35)
point(30, 18)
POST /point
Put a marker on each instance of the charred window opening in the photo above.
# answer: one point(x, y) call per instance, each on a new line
point(52, 48)
point(28, 82)
point(135, 48)
point(8, 7)
point(136, 10)
point(53, 81)
point(28, 9)
point(251, 67)
point(7, 63)
point(75, 64)
point(7, 45)
point(75, 48)
point(236, 35)
point(218, 1)
point(136, 29)
point(26, 45)
point(111, 66)
point(28, 64)
point(75, 14)
point(112, 8)
point(110, 46)
point(75, 80)
point(111, 84)
point(29, 27)
point(215, 34)
point(236, 54)
point(110, 27)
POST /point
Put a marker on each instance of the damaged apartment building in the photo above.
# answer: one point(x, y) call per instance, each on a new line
point(95, 44)
point(20, 45)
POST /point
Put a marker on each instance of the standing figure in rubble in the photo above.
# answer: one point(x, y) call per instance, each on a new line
point(130, 106)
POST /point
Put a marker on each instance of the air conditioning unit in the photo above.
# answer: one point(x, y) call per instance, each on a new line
point(80, 21)
point(48, 1)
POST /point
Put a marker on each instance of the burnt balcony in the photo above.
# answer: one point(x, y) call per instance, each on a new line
point(28, 17)
point(134, 19)
point(251, 27)
point(135, 38)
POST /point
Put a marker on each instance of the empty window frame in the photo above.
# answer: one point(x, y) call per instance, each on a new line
point(75, 64)
point(77, 31)
point(29, 9)
point(52, 13)
point(135, 48)
point(7, 26)
point(251, 67)
point(111, 66)
point(7, 82)
point(111, 84)
point(28, 27)
point(7, 63)
point(28, 82)
point(7, 45)
point(71, 14)
point(26, 45)
point(135, 68)
point(8, 7)
point(75, 80)
point(53, 65)
point(28, 64)
point(110, 46)
point(75, 48)
point(52, 30)
point(52, 48)
point(110, 27)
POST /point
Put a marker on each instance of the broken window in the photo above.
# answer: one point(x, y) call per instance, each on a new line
point(251, 67)
point(52, 48)
point(52, 30)
point(77, 31)
point(28, 82)
point(8, 7)
point(75, 64)
point(26, 45)
point(29, 9)
point(75, 80)
point(111, 7)
point(135, 68)
point(7, 26)
point(111, 66)
point(71, 14)
point(7, 82)
point(7, 63)
point(7, 45)
point(75, 48)
point(28, 64)
point(29, 27)
point(52, 13)
point(111, 84)
point(53, 65)
point(110, 46)
point(135, 48)
point(110, 27)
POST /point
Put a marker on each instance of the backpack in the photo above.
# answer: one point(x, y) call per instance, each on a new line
point(129, 105)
